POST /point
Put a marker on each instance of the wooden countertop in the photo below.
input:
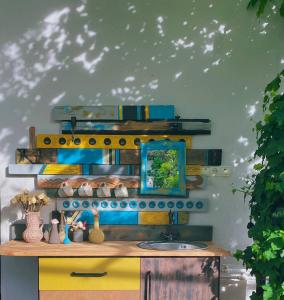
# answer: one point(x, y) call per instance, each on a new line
point(108, 248)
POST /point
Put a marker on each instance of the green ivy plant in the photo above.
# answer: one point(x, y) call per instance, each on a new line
point(262, 4)
point(265, 257)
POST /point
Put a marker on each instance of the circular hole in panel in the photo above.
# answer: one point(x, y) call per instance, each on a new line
point(107, 141)
point(113, 204)
point(95, 204)
point(137, 142)
point(122, 142)
point(189, 204)
point(199, 204)
point(161, 204)
point(66, 204)
point(47, 141)
point(76, 204)
point(92, 141)
point(62, 141)
point(152, 204)
point(170, 204)
point(133, 204)
point(77, 141)
point(123, 204)
point(104, 204)
point(142, 204)
point(180, 204)
point(85, 204)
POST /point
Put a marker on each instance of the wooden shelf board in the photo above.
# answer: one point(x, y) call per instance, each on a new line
point(107, 249)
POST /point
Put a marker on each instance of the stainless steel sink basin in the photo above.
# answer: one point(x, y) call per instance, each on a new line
point(172, 245)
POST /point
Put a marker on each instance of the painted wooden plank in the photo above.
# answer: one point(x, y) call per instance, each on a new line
point(202, 157)
point(194, 205)
point(67, 141)
point(132, 182)
point(125, 170)
point(99, 170)
point(54, 169)
point(178, 127)
point(113, 112)
point(87, 295)
point(153, 218)
point(110, 217)
point(36, 156)
point(82, 156)
point(32, 138)
point(132, 193)
point(109, 157)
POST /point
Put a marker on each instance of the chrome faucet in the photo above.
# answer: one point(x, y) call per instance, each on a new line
point(169, 236)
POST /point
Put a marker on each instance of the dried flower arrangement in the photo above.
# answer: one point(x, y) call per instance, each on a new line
point(79, 225)
point(30, 201)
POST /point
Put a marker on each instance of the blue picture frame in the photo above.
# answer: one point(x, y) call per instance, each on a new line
point(152, 181)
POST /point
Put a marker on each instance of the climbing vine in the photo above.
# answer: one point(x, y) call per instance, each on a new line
point(265, 257)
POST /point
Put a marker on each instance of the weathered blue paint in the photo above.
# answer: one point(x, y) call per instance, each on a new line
point(111, 217)
point(80, 156)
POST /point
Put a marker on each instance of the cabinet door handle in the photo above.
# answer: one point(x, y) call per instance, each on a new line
point(147, 287)
point(76, 274)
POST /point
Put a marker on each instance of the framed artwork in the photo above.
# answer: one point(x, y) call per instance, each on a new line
point(163, 168)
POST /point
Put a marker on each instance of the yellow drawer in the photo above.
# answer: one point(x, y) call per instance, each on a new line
point(114, 273)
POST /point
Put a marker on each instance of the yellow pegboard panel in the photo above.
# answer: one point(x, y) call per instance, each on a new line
point(57, 169)
point(103, 141)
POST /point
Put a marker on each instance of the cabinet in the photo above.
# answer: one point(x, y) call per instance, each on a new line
point(116, 278)
point(171, 278)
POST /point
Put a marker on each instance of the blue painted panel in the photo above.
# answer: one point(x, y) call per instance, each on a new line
point(80, 156)
point(86, 169)
point(111, 217)
point(161, 112)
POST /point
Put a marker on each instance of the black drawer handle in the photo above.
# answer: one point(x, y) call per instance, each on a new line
point(76, 274)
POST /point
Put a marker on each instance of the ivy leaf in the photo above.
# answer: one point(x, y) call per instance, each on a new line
point(282, 9)
point(252, 3)
point(261, 7)
point(258, 167)
point(268, 292)
point(274, 85)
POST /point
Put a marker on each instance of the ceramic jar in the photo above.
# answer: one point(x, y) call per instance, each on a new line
point(103, 190)
point(65, 190)
point(121, 191)
point(78, 235)
point(85, 190)
point(33, 232)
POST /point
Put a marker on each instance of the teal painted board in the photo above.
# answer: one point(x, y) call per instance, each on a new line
point(80, 156)
point(161, 112)
point(110, 217)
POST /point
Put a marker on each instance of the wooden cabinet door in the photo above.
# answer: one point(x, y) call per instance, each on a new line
point(194, 278)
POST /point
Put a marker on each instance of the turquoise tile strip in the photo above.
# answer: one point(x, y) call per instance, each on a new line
point(112, 204)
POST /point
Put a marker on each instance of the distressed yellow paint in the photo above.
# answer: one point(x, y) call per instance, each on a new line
point(183, 217)
point(122, 273)
point(147, 112)
point(84, 138)
point(154, 218)
point(62, 169)
point(193, 170)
